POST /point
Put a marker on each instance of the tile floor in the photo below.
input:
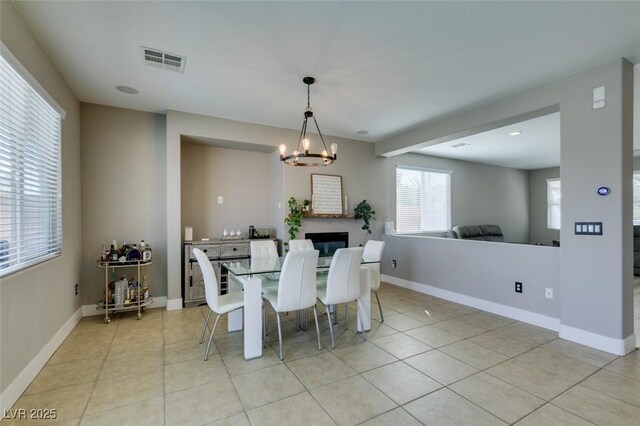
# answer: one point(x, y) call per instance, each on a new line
point(457, 365)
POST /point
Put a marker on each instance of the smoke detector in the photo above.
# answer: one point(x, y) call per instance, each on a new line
point(159, 59)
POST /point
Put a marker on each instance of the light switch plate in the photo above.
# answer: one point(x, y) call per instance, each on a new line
point(220, 199)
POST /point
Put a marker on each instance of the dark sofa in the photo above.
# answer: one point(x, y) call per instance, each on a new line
point(479, 232)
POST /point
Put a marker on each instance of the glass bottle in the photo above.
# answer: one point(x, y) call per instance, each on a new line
point(145, 288)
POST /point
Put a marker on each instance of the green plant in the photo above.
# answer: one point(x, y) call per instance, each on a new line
point(364, 211)
point(293, 220)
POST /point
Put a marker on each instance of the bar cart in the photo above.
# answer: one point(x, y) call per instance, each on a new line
point(111, 307)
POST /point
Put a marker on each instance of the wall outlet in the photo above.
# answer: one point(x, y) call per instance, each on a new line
point(394, 263)
point(518, 287)
point(548, 293)
point(76, 289)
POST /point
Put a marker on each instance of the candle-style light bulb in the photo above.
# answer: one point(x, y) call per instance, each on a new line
point(334, 150)
point(324, 153)
point(296, 153)
point(283, 150)
point(305, 144)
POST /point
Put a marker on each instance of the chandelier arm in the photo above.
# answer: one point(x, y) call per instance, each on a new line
point(303, 134)
point(320, 133)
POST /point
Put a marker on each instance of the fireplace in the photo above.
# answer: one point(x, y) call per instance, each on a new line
point(328, 242)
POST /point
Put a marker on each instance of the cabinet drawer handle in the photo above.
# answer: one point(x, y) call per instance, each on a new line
point(234, 249)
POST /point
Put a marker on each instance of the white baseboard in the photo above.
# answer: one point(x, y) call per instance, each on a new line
point(26, 376)
point(174, 304)
point(529, 317)
point(604, 343)
point(92, 310)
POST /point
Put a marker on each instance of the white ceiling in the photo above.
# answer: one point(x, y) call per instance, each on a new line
point(380, 66)
point(537, 147)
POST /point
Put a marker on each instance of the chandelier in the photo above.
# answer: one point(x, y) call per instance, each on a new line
point(303, 157)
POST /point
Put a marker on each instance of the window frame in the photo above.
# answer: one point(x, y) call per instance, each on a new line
point(448, 174)
point(54, 230)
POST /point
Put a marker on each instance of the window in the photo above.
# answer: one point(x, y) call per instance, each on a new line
point(30, 209)
point(554, 195)
point(423, 200)
point(636, 197)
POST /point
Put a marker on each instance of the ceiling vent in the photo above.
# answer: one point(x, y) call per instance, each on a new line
point(159, 59)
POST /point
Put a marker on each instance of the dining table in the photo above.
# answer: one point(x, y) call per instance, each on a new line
point(250, 275)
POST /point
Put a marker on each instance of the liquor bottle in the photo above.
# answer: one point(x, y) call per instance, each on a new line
point(113, 253)
point(104, 254)
point(145, 288)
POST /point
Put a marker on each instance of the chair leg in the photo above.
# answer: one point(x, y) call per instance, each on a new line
point(264, 319)
point(359, 314)
point(315, 315)
point(279, 335)
point(379, 306)
point(346, 316)
point(333, 345)
point(215, 324)
point(204, 327)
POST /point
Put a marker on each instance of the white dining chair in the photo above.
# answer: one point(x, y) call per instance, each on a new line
point(262, 249)
point(296, 288)
point(373, 251)
point(263, 254)
point(343, 284)
point(296, 245)
point(219, 304)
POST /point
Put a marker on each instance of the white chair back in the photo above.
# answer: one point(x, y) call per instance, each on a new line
point(297, 285)
point(265, 248)
point(373, 251)
point(297, 245)
point(210, 281)
point(343, 281)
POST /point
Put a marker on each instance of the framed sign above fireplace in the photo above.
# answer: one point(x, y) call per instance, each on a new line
point(326, 194)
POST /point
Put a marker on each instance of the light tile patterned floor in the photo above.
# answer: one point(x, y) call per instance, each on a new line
point(452, 365)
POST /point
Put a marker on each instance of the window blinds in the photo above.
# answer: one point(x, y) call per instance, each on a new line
point(423, 200)
point(30, 196)
point(636, 197)
point(554, 197)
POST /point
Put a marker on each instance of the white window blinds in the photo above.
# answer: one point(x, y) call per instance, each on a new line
point(30, 207)
point(554, 197)
point(423, 200)
point(636, 197)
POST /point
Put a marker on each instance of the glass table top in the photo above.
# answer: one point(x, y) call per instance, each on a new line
point(244, 267)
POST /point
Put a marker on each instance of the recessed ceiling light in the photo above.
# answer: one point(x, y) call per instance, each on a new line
point(459, 145)
point(126, 89)
point(362, 132)
point(516, 133)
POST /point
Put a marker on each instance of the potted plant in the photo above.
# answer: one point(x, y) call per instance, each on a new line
point(364, 211)
point(293, 220)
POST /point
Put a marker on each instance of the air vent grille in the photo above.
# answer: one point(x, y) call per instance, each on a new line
point(159, 59)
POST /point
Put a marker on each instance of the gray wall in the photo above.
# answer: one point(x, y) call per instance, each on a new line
point(538, 231)
point(123, 190)
point(35, 303)
point(596, 272)
point(480, 193)
point(484, 270)
point(242, 178)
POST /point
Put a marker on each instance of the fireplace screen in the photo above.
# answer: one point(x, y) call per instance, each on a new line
point(328, 242)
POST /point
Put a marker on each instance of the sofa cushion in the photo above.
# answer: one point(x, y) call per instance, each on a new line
point(479, 232)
